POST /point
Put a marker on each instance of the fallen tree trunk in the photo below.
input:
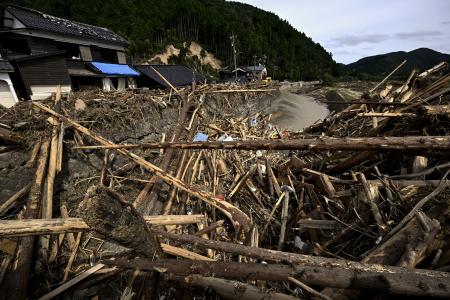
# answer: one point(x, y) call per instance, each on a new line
point(326, 143)
point(107, 213)
point(240, 91)
point(340, 273)
point(238, 218)
point(15, 228)
point(437, 110)
point(405, 282)
point(387, 114)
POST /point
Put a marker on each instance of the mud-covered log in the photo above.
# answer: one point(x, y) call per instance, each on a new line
point(108, 214)
point(327, 143)
point(9, 137)
point(340, 273)
point(325, 276)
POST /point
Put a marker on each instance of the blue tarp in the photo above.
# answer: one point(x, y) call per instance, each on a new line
point(200, 137)
point(114, 69)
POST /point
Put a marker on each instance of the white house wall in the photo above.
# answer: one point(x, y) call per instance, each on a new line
point(8, 98)
point(40, 92)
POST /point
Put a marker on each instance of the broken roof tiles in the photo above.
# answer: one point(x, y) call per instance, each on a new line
point(34, 19)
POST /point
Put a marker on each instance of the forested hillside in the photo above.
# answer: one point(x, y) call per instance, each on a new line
point(381, 65)
point(150, 25)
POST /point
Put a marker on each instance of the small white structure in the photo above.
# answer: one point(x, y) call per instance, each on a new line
point(8, 97)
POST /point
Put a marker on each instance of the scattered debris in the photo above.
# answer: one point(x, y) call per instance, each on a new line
point(355, 203)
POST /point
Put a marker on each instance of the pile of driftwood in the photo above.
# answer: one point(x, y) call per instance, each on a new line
point(195, 193)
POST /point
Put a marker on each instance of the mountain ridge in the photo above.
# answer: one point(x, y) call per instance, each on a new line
point(383, 64)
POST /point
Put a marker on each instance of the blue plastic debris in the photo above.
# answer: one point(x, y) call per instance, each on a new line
point(253, 123)
point(200, 137)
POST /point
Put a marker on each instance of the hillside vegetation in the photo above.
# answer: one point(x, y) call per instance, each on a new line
point(151, 25)
point(381, 65)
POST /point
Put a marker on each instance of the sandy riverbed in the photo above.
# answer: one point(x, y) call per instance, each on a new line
point(295, 112)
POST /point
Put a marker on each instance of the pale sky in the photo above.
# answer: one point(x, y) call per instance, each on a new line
point(352, 29)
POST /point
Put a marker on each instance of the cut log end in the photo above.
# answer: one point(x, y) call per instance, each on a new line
point(109, 215)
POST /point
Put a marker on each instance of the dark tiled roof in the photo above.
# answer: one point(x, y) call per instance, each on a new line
point(34, 19)
point(175, 74)
point(5, 66)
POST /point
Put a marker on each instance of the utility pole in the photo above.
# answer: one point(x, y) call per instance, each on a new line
point(254, 66)
point(233, 44)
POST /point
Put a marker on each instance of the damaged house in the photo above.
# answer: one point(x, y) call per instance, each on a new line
point(47, 51)
point(8, 95)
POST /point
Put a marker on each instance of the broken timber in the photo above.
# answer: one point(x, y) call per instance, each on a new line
point(315, 271)
point(238, 218)
point(327, 143)
point(15, 228)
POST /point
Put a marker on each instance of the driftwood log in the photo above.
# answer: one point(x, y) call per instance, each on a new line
point(15, 228)
point(326, 143)
point(329, 272)
point(107, 213)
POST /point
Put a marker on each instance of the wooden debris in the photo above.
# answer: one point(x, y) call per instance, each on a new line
point(356, 201)
point(18, 276)
point(66, 225)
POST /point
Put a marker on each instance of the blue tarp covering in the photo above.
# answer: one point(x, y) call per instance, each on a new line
point(114, 69)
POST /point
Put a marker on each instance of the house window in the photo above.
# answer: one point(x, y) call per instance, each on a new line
point(72, 50)
point(104, 55)
point(14, 46)
point(7, 20)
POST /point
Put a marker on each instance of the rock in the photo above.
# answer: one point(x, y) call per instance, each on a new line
point(80, 105)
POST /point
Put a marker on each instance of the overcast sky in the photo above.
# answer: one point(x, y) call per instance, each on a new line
point(352, 29)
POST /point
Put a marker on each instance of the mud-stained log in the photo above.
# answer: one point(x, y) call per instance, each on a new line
point(9, 137)
point(340, 273)
point(396, 283)
point(327, 143)
point(107, 213)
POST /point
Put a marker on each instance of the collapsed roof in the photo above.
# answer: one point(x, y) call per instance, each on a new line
point(33, 19)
